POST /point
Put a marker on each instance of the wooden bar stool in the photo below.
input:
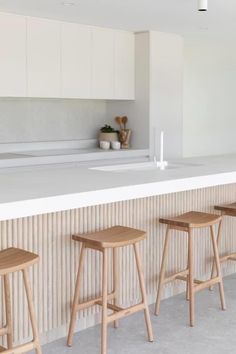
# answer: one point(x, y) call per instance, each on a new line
point(187, 222)
point(226, 210)
point(14, 260)
point(111, 238)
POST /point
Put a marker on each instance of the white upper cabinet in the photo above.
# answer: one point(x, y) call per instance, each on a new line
point(103, 63)
point(76, 61)
point(47, 58)
point(124, 65)
point(43, 58)
point(12, 55)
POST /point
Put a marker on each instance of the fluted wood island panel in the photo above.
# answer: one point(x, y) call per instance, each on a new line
point(53, 280)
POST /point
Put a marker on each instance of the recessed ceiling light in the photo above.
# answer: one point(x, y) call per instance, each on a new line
point(68, 3)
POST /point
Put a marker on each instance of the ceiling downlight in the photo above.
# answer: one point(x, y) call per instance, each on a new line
point(68, 3)
point(202, 5)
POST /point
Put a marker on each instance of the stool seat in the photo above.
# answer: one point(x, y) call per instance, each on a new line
point(117, 236)
point(228, 209)
point(14, 259)
point(192, 219)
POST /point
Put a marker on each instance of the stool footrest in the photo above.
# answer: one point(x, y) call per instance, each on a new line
point(111, 307)
point(176, 276)
point(126, 312)
point(228, 257)
point(93, 302)
point(21, 348)
point(201, 284)
point(207, 284)
point(196, 281)
point(232, 258)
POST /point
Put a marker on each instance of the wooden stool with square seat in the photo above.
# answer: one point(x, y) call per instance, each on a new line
point(187, 222)
point(14, 260)
point(226, 210)
point(102, 241)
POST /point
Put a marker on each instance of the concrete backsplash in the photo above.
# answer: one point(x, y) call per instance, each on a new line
point(26, 120)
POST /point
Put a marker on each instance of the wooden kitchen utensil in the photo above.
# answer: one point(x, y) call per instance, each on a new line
point(125, 121)
point(119, 121)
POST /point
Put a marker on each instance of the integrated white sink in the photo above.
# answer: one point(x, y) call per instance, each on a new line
point(141, 166)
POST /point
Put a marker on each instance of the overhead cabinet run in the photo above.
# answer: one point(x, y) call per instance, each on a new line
point(46, 58)
point(43, 58)
point(12, 56)
point(76, 61)
point(103, 67)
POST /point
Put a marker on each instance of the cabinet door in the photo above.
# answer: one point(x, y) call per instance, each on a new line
point(76, 61)
point(124, 65)
point(12, 55)
point(102, 63)
point(43, 56)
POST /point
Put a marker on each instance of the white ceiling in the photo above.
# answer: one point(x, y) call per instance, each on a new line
point(178, 16)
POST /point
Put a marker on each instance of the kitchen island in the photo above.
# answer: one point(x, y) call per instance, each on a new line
point(41, 206)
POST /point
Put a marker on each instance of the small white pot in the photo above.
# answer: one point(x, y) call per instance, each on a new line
point(115, 145)
point(105, 145)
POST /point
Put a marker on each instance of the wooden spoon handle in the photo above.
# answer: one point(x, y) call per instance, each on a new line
point(125, 121)
point(119, 121)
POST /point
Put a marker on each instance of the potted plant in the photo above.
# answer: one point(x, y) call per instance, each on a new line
point(107, 133)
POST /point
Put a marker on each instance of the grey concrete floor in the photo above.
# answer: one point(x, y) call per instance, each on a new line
point(214, 332)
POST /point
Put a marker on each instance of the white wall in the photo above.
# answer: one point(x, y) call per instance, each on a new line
point(26, 120)
point(166, 91)
point(159, 93)
point(209, 98)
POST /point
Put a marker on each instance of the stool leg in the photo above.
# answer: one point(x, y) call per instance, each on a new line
point(218, 268)
point(162, 271)
point(76, 297)
point(190, 278)
point(187, 283)
point(115, 280)
point(144, 295)
point(218, 243)
point(8, 311)
point(104, 304)
point(31, 311)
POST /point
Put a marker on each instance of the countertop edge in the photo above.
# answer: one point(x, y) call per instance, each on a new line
point(37, 206)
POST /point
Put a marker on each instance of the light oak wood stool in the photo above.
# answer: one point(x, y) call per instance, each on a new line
point(14, 260)
point(102, 241)
point(226, 210)
point(187, 222)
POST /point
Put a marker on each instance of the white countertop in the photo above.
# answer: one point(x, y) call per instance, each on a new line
point(26, 191)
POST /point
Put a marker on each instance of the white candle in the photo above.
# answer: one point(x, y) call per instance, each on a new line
point(162, 147)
